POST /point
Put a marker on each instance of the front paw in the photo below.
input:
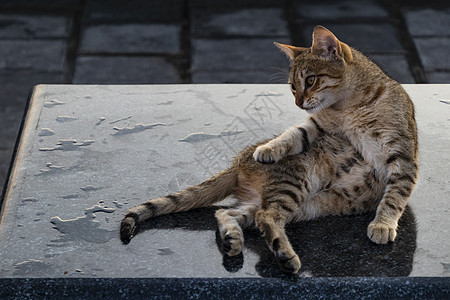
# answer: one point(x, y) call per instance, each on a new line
point(232, 242)
point(268, 154)
point(381, 233)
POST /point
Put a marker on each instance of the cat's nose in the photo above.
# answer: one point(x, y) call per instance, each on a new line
point(299, 101)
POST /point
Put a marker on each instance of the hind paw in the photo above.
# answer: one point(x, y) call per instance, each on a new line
point(232, 242)
point(289, 264)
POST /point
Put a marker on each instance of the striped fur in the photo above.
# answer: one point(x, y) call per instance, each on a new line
point(356, 152)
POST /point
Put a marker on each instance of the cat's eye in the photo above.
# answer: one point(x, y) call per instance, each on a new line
point(310, 81)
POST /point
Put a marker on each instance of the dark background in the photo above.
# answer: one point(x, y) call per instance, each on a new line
point(200, 41)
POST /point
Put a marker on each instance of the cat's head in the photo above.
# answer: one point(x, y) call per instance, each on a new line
point(317, 73)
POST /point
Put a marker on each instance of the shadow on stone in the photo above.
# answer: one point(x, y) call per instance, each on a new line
point(338, 246)
point(333, 246)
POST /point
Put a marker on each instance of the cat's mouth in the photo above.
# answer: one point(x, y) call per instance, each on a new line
point(310, 108)
point(313, 105)
point(309, 105)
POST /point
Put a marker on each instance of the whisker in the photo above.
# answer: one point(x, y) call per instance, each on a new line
point(279, 77)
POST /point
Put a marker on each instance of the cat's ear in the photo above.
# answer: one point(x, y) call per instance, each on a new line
point(290, 51)
point(326, 44)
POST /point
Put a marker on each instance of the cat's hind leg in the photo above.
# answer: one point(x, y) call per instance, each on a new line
point(271, 222)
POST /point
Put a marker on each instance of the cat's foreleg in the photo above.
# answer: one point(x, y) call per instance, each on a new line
point(271, 222)
point(230, 231)
point(231, 222)
point(402, 177)
point(294, 140)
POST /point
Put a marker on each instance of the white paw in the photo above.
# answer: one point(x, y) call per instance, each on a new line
point(233, 241)
point(268, 154)
point(381, 233)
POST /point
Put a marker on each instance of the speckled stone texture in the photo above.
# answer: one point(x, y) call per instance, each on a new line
point(224, 288)
point(89, 152)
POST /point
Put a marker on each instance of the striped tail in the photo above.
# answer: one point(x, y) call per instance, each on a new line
point(204, 194)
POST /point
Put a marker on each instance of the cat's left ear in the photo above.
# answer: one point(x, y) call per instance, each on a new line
point(326, 44)
point(290, 51)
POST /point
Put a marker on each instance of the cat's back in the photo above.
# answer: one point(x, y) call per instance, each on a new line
point(376, 96)
point(369, 76)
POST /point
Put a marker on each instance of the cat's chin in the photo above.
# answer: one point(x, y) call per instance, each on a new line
point(313, 110)
point(319, 105)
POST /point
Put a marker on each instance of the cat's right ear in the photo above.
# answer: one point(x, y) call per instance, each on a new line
point(290, 51)
point(326, 44)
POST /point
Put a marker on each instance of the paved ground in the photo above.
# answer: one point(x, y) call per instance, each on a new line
point(200, 41)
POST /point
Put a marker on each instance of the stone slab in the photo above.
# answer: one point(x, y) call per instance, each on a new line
point(340, 10)
point(5, 162)
point(243, 22)
point(237, 54)
point(10, 120)
point(131, 38)
point(396, 66)
point(17, 84)
point(33, 55)
point(34, 26)
point(46, 5)
point(432, 59)
point(235, 3)
point(113, 147)
point(140, 11)
point(438, 77)
point(361, 36)
point(123, 69)
point(428, 22)
point(259, 76)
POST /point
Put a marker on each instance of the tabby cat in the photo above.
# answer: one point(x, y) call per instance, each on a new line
point(356, 152)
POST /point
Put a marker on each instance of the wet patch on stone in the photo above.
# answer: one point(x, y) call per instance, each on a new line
point(100, 121)
point(72, 196)
point(28, 200)
point(90, 188)
point(46, 132)
point(201, 136)
point(64, 119)
point(165, 251)
point(121, 119)
point(68, 145)
point(166, 103)
point(31, 267)
point(51, 169)
point(135, 128)
point(52, 103)
point(85, 228)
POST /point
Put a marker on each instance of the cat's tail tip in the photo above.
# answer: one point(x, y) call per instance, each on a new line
point(127, 228)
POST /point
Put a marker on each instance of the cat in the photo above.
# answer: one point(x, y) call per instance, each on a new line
point(356, 152)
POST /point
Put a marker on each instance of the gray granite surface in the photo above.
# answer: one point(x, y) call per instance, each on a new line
point(226, 288)
point(89, 152)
